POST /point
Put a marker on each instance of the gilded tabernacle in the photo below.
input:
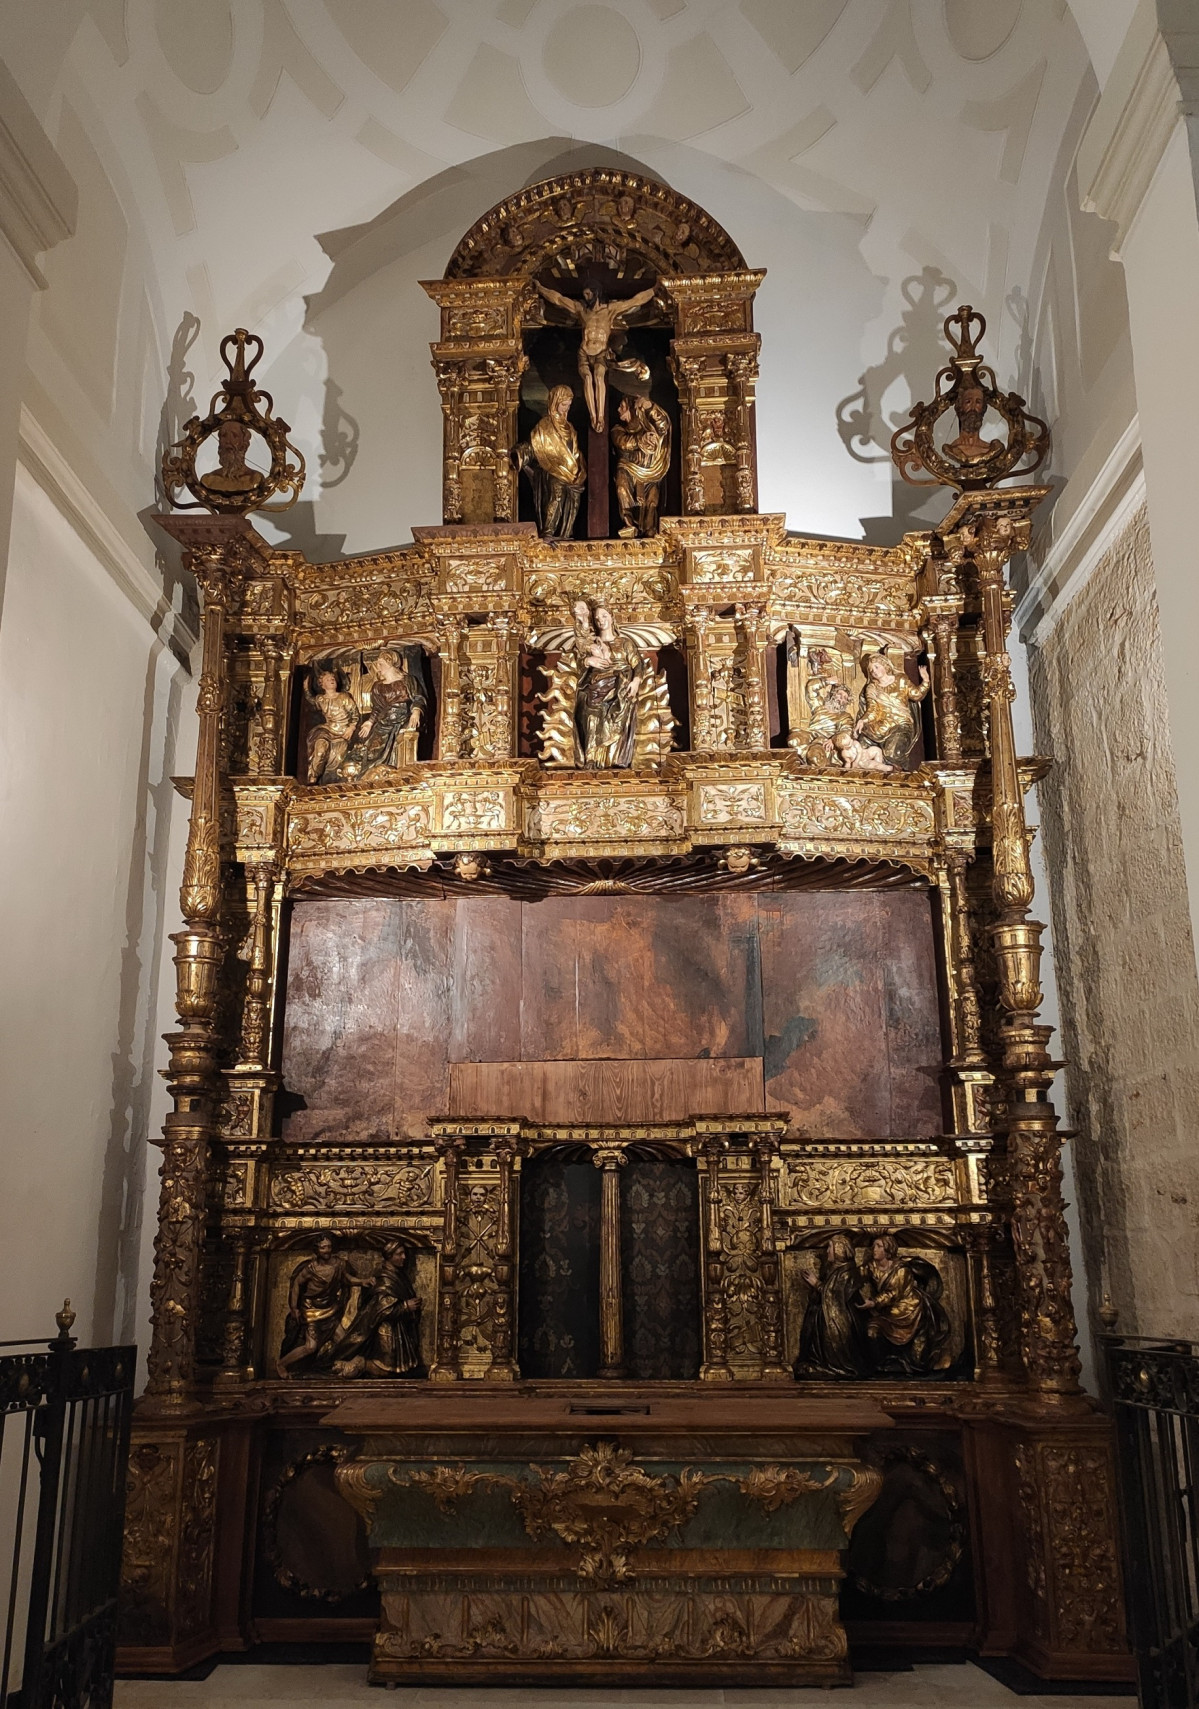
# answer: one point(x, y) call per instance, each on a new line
point(612, 1225)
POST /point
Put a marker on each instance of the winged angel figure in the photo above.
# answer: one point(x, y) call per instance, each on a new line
point(607, 704)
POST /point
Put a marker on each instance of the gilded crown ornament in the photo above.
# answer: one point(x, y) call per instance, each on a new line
point(967, 385)
point(239, 410)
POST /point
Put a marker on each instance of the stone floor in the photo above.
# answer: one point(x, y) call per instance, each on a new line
point(340, 1686)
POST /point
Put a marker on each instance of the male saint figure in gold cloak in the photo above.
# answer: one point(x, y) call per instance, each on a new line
point(642, 441)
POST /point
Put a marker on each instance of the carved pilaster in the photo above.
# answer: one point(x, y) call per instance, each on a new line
point(449, 643)
point(446, 1368)
point(765, 1148)
point(753, 634)
point(715, 1367)
point(942, 633)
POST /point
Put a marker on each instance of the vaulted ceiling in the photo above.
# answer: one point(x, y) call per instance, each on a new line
point(215, 141)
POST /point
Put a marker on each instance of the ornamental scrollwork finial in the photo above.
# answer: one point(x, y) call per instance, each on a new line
point(238, 411)
point(967, 385)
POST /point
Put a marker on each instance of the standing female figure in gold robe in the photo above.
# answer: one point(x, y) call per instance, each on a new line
point(609, 683)
point(551, 460)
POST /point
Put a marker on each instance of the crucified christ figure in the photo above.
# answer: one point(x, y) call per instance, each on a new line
point(598, 320)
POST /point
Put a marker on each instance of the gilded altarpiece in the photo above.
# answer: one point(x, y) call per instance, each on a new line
point(612, 1178)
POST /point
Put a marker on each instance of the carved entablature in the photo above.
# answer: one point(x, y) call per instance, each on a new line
point(398, 710)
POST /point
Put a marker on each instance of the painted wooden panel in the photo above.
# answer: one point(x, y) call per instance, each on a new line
point(613, 1008)
point(852, 1045)
point(608, 976)
point(339, 1033)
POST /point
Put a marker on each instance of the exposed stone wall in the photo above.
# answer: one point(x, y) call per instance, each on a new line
point(1125, 961)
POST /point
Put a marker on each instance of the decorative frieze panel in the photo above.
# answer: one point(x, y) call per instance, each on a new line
point(608, 821)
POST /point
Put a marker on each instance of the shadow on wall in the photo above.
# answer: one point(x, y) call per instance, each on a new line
point(380, 440)
point(866, 419)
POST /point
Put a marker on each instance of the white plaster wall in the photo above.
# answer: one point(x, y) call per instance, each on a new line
point(86, 810)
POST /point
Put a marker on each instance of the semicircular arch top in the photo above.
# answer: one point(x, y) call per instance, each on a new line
point(595, 215)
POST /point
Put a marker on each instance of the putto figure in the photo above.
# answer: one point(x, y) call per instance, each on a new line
point(599, 321)
point(553, 464)
point(641, 438)
point(607, 705)
point(887, 716)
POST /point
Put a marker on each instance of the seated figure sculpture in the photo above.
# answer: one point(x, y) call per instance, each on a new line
point(397, 701)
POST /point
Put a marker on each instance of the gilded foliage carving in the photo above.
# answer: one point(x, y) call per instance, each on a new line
point(197, 1532)
point(608, 1507)
point(353, 1186)
point(732, 803)
point(853, 1182)
point(474, 809)
point(1067, 1500)
point(855, 818)
point(369, 602)
point(591, 820)
point(350, 830)
point(151, 1523)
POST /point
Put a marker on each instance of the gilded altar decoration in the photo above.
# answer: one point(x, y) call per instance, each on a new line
point(607, 980)
point(641, 435)
point(551, 461)
point(606, 1506)
point(339, 718)
point(386, 736)
point(343, 1324)
point(888, 719)
point(878, 1317)
point(968, 386)
point(600, 324)
point(239, 412)
point(607, 705)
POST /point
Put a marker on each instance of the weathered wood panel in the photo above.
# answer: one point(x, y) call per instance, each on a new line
point(605, 1091)
point(339, 1033)
point(852, 1044)
point(621, 977)
point(613, 1008)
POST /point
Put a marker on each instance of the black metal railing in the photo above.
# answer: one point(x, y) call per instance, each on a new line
point(1155, 1394)
point(64, 1446)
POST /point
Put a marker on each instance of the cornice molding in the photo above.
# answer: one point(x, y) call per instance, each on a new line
point(52, 472)
point(1097, 522)
point(1131, 127)
point(38, 197)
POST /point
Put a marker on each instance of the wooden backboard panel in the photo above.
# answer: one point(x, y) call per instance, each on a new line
point(614, 1008)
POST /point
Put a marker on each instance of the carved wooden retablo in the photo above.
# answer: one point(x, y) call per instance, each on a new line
point(611, 1220)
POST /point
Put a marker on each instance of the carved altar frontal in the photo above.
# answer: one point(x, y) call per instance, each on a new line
point(612, 1179)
